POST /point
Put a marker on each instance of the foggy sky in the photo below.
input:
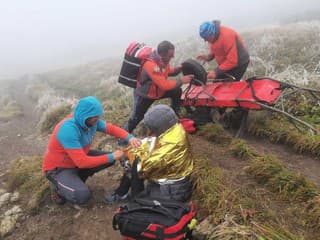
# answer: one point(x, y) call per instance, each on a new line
point(41, 35)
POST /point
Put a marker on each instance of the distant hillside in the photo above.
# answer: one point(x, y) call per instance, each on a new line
point(82, 80)
point(290, 52)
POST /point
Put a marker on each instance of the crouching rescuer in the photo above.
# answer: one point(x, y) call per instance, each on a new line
point(165, 160)
point(68, 160)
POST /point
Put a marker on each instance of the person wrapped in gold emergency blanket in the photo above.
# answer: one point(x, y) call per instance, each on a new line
point(165, 160)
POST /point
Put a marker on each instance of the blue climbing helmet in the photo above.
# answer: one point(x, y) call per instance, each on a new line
point(207, 29)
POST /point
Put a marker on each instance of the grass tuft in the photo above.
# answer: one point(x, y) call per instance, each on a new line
point(240, 149)
point(214, 133)
point(53, 117)
point(210, 193)
point(25, 176)
point(9, 109)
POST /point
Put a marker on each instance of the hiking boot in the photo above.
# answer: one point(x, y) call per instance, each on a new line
point(55, 197)
point(114, 197)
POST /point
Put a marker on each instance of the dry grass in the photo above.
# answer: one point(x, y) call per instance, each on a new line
point(269, 171)
point(9, 109)
point(281, 131)
point(53, 117)
point(240, 149)
point(236, 213)
point(210, 193)
point(290, 186)
point(312, 216)
point(214, 133)
point(229, 229)
point(25, 176)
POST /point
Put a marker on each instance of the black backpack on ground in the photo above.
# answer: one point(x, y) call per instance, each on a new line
point(145, 218)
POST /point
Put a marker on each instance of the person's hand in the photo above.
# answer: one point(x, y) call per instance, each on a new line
point(203, 58)
point(117, 154)
point(135, 142)
point(187, 78)
point(211, 74)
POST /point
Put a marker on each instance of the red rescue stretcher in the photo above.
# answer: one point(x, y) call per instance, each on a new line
point(253, 93)
point(245, 94)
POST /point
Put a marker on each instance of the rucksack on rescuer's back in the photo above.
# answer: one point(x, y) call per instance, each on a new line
point(136, 53)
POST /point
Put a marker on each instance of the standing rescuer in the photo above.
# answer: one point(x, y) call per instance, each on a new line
point(153, 83)
point(227, 48)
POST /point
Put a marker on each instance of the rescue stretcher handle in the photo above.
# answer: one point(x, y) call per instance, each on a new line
point(223, 79)
point(229, 78)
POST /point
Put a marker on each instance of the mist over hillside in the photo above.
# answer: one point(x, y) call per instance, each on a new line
point(289, 52)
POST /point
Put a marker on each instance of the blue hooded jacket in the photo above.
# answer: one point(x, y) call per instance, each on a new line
point(75, 129)
point(71, 139)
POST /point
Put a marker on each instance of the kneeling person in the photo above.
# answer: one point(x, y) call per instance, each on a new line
point(68, 160)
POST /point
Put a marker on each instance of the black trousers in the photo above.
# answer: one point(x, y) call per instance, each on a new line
point(132, 181)
point(236, 72)
point(141, 105)
point(179, 191)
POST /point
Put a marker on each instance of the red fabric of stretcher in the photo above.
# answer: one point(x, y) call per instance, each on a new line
point(234, 94)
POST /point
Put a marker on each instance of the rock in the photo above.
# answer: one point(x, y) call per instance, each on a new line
point(9, 221)
point(14, 197)
point(7, 225)
point(77, 215)
point(5, 198)
point(203, 229)
point(16, 210)
point(2, 191)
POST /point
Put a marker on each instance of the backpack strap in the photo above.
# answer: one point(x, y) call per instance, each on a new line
point(162, 202)
point(160, 206)
point(115, 225)
point(159, 233)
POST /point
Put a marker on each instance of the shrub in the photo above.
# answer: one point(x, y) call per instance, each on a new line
point(25, 176)
point(53, 117)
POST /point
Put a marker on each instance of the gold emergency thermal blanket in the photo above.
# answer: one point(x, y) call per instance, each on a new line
point(169, 158)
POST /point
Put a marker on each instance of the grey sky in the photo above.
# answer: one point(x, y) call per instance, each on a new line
point(39, 35)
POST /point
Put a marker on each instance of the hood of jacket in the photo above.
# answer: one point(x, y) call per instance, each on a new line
point(217, 24)
point(87, 107)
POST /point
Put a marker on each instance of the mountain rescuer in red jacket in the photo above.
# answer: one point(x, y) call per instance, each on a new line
point(153, 84)
point(68, 160)
point(227, 47)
